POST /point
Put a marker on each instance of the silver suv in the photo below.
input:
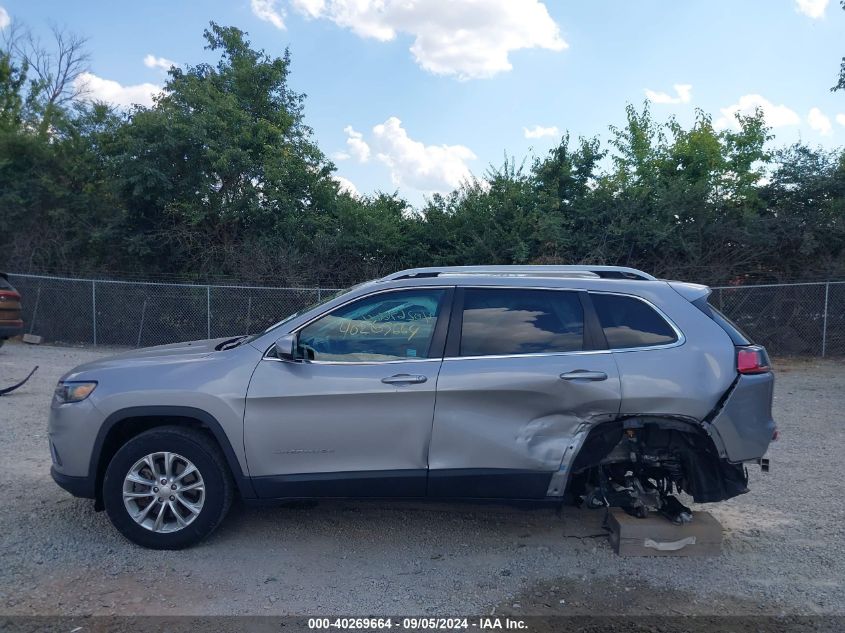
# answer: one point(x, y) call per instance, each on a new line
point(591, 384)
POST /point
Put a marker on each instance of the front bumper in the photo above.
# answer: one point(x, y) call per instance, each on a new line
point(72, 431)
point(77, 486)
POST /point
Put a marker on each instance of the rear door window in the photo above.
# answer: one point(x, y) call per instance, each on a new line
point(629, 322)
point(505, 321)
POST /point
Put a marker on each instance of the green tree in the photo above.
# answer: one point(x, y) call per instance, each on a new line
point(805, 219)
point(840, 84)
point(563, 183)
point(221, 177)
point(57, 193)
point(12, 102)
point(223, 152)
point(483, 222)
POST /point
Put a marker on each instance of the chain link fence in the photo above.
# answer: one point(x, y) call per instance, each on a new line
point(140, 314)
point(805, 319)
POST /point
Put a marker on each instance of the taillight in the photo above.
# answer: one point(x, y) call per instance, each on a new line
point(752, 359)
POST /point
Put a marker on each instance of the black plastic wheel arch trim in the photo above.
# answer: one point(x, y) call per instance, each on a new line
point(242, 481)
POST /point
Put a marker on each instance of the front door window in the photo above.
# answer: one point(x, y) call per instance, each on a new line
point(388, 326)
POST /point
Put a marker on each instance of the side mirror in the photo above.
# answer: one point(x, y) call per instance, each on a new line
point(286, 347)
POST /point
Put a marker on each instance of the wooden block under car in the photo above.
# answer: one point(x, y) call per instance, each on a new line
point(32, 339)
point(656, 536)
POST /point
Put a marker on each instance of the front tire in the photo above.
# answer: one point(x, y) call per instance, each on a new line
point(167, 488)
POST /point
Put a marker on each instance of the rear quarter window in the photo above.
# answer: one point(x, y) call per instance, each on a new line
point(731, 329)
point(630, 323)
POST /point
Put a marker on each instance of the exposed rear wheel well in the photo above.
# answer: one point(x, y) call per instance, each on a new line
point(663, 452)
point(126, 428)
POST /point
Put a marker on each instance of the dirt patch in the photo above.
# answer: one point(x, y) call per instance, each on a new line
point(593, 595)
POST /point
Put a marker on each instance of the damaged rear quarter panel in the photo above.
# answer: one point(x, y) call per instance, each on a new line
point(687, 380)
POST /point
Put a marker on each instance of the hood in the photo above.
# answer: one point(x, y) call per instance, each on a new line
point(160, 354)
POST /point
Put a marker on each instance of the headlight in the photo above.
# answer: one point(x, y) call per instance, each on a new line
point(73, 391)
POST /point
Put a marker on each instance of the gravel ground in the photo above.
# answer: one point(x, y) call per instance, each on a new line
point(784, 549)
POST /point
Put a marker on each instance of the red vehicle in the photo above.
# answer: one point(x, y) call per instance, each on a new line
point(11, 323)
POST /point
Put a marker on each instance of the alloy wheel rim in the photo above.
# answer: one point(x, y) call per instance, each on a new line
point(163, 492)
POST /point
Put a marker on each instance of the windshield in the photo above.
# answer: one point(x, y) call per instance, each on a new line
point(290, 317)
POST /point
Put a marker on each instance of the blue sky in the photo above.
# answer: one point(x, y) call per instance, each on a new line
point(413, 95)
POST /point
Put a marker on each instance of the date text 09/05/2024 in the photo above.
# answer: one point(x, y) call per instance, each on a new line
point(415, 624)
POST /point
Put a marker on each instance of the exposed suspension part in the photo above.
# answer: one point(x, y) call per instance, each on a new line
point(640, 478)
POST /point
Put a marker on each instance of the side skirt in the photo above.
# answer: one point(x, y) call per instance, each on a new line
point(479, 484)
point(488, 483)
point(359, 484)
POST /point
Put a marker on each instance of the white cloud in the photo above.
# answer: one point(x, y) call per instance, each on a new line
point(311, 8)
point(812, 8)
point(538, 131)
point(357, 147)
point(99, 89)
point(5, 20)
point(427, 168)
point(162, 63)
point(267, 10)
point(774, 115)
point(464, 38)
point(819, 121)
point(840, 119)
point(683, 92)
point(347, 186)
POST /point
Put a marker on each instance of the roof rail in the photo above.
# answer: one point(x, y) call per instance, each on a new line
point(579, 274)
point(603, 272)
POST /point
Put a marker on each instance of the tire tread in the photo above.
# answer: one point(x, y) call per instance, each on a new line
point(163, 434)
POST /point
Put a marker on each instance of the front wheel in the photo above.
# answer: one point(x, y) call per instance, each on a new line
point(167, 488)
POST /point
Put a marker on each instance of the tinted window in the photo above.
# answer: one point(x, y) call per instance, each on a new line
point(388, 326)
point(503, 321)
point(731, 329)
point(629, 322)
point(4, 284)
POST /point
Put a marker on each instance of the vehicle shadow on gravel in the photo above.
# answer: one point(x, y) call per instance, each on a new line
point(407, 518)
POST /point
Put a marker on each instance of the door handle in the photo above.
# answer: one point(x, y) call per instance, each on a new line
point(583, 374)
point(404, 379)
